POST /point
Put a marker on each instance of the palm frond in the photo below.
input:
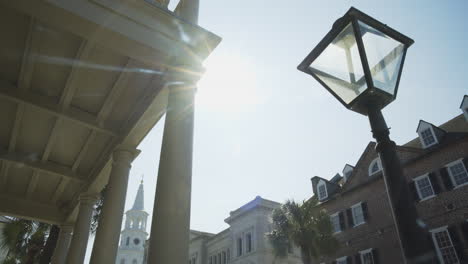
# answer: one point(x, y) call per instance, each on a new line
point(304, 226)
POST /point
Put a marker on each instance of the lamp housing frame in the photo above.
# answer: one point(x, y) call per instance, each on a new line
point(371, 97)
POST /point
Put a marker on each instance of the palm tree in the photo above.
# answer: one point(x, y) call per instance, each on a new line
point(29, 241)
point(97, 211)
point(23, 240)
point(304, 226)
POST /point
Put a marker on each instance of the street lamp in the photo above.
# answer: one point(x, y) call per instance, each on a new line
point(360, 61)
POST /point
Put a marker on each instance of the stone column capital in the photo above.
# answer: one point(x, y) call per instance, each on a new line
point(88, 198)
point(183, 74)
point(124, 155)
point(66, 228)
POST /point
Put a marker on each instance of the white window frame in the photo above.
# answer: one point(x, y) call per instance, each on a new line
point(438, 230)
point(337, 214)
point(345, 258)
point(455, 162)
point(379, 164)
point(322, 183)
point(363, 252)
point(436, 141)
point(354, 217)
point(347, 171)
point(419, 191)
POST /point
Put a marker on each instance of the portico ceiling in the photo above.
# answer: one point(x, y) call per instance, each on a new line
point(72, 88)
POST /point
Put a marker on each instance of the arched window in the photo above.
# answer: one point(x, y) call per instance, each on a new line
point(322, 190)
point(375, 167)
point(128, 241)
point(131, 223)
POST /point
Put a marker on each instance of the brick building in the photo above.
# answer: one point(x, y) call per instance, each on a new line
point(435, 165)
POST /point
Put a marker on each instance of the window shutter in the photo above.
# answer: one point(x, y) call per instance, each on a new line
point(446, 178)
point(456, 242)
point(464, 228)
point(414, 192)
point(365, 211)
point(429, 238)
point(434, 182)
point(349, 215)
point(357, 259)
point(342, 220)
point(375, 255)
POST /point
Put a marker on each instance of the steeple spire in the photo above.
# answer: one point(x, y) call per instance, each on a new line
point(139, 199)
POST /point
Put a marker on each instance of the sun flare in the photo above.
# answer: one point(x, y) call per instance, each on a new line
point(228, 84)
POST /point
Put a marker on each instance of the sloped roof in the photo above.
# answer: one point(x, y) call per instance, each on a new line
point(456, 124)
point(465, 100)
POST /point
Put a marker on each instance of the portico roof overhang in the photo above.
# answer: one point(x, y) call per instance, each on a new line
point(78, 79)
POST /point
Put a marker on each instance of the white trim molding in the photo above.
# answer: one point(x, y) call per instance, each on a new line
point(436, 245)
point(345, 258)
point(337, 214)
point(354, 216)
point(320, 184)
point(424, 127)
point(366, 251)
point(372, 164)
point(418, 190)
point(451, 164)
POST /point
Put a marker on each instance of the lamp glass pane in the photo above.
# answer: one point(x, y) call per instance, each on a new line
point(384, 55)
point(339, 66)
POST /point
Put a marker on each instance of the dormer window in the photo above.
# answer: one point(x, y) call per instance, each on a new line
point(427, 137)
point(322, 190)
point(464, 106)
point(347, 171)
point(348, 174)
point(375, 167)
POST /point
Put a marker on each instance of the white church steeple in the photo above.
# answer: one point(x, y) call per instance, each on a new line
point(133, 236)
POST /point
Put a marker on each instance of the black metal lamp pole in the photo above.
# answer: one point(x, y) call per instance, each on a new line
point(414, 242)
point(360, 62)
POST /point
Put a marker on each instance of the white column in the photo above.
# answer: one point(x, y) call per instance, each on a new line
point(170, 229)
point(108, 232)
point(80, 237)
point(63, 242)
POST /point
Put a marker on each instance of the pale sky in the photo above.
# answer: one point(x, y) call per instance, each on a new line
point(264, 128)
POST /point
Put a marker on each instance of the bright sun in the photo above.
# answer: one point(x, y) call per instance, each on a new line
point(228, 84)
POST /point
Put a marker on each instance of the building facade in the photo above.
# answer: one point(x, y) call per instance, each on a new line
point(134, 235)
point(243, 242)
point(435, 165)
